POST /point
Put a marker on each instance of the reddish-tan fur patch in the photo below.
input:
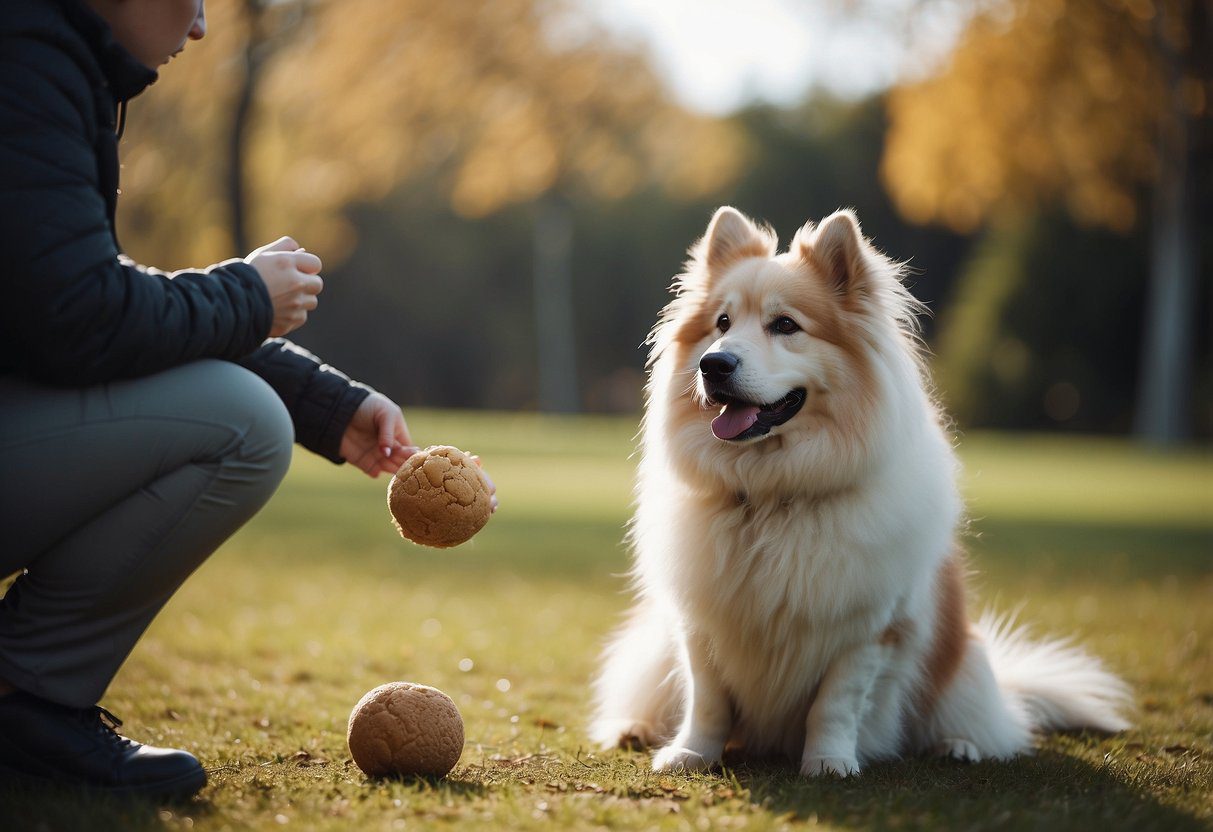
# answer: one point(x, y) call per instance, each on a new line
point(838, 253)
point(694, 328)
point(809, 294)
point(893, 635)
point(757, 247)
point(847, 410)
point(951, 633)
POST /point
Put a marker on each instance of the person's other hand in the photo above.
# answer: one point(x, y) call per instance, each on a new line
point(292, 277)
point(377, 438)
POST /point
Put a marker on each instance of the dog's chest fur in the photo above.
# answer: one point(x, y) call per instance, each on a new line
point(780, 588)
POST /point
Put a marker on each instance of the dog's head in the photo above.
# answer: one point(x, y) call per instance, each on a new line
point(782, 351)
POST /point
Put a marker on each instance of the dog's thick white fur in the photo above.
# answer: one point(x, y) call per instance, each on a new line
point(800, 591)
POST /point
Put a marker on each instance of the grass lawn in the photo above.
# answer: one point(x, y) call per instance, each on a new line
point(256, 663)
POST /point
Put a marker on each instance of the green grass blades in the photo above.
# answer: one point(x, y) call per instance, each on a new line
point(257, 662)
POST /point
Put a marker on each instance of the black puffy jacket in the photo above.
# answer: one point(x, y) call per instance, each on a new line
point(73, 311)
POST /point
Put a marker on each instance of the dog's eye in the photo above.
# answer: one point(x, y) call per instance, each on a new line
point(722, 323)
point(784, 325)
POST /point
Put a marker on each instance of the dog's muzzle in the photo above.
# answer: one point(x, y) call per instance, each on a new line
point(739, 418)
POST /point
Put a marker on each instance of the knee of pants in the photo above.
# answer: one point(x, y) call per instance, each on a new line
point(267, 433)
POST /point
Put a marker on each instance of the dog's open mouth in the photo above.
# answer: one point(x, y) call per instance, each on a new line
point(739, 420)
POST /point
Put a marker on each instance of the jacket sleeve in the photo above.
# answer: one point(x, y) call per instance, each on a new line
point(72, 312)
point(321, 399)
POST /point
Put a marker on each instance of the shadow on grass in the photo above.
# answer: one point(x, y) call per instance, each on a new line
point(49, 808)
point(452, 786)
point(1050, 790)
point(52, 808)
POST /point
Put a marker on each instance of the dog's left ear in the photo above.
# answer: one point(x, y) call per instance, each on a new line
point(837, 250)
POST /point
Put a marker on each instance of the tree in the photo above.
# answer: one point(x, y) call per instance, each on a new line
point(334, 101)
point(1087, 104)
point(317, 104)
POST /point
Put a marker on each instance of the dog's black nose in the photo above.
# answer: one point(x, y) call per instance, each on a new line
point(717, 366)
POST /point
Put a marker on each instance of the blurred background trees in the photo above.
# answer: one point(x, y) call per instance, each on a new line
point(1098, 108)
point(502, 193)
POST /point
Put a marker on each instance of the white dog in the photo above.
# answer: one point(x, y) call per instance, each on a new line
point(800, 589)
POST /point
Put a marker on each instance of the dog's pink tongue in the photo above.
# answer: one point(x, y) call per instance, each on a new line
point(733, 420)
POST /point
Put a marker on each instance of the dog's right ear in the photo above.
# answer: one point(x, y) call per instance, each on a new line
point(732, 236)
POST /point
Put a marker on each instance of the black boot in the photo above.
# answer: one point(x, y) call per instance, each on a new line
point(42, 741)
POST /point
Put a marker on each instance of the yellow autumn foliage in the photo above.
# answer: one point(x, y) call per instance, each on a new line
point(1042, 100)
point(497, 103)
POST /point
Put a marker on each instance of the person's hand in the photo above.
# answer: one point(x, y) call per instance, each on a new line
point(377, 438)
point(292, 277)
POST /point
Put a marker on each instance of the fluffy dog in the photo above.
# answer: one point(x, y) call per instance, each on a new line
point(800, 589)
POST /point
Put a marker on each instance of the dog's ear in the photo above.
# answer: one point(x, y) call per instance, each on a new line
point(732, 236)
point(837, 250)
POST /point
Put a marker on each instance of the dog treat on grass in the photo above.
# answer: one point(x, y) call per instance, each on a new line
point(404, 729)
point(439, 497)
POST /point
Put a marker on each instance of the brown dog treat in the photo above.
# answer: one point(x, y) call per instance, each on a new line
point(439, 497)
point(405, 729)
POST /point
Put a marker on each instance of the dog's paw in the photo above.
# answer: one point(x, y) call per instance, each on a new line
point(962, 750)
point(678, 758)
point(829, 766)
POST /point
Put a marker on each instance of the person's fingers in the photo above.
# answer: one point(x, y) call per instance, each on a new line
point(312, 284)
point(396, 454)
point(394, 439)
point(309, 302)
point(282, 244)
point(387, 422)
point(381, 464)
point(369, 463)
point(307, 262)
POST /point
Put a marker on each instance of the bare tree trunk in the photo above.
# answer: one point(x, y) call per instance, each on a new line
point(269, 24)
point(554, 332)
point(1164, 392)
point(237, 193)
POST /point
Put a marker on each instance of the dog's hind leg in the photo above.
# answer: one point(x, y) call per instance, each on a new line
point(638, 694)
point(974, 719)
point(1011, 687)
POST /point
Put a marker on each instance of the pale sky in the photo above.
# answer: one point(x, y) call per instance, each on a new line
point(718, 54)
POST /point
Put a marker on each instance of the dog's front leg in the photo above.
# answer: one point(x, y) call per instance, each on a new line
point(699, 743)
point(832, 727)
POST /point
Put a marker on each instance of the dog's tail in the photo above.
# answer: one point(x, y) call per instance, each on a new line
point(1058, 685)
point(637, 693)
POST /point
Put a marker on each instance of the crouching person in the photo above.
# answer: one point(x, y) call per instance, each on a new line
point(144, 416)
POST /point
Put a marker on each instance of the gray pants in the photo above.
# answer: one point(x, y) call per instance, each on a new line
point(110, 497)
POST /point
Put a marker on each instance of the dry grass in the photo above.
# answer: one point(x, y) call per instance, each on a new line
point(256, 663)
